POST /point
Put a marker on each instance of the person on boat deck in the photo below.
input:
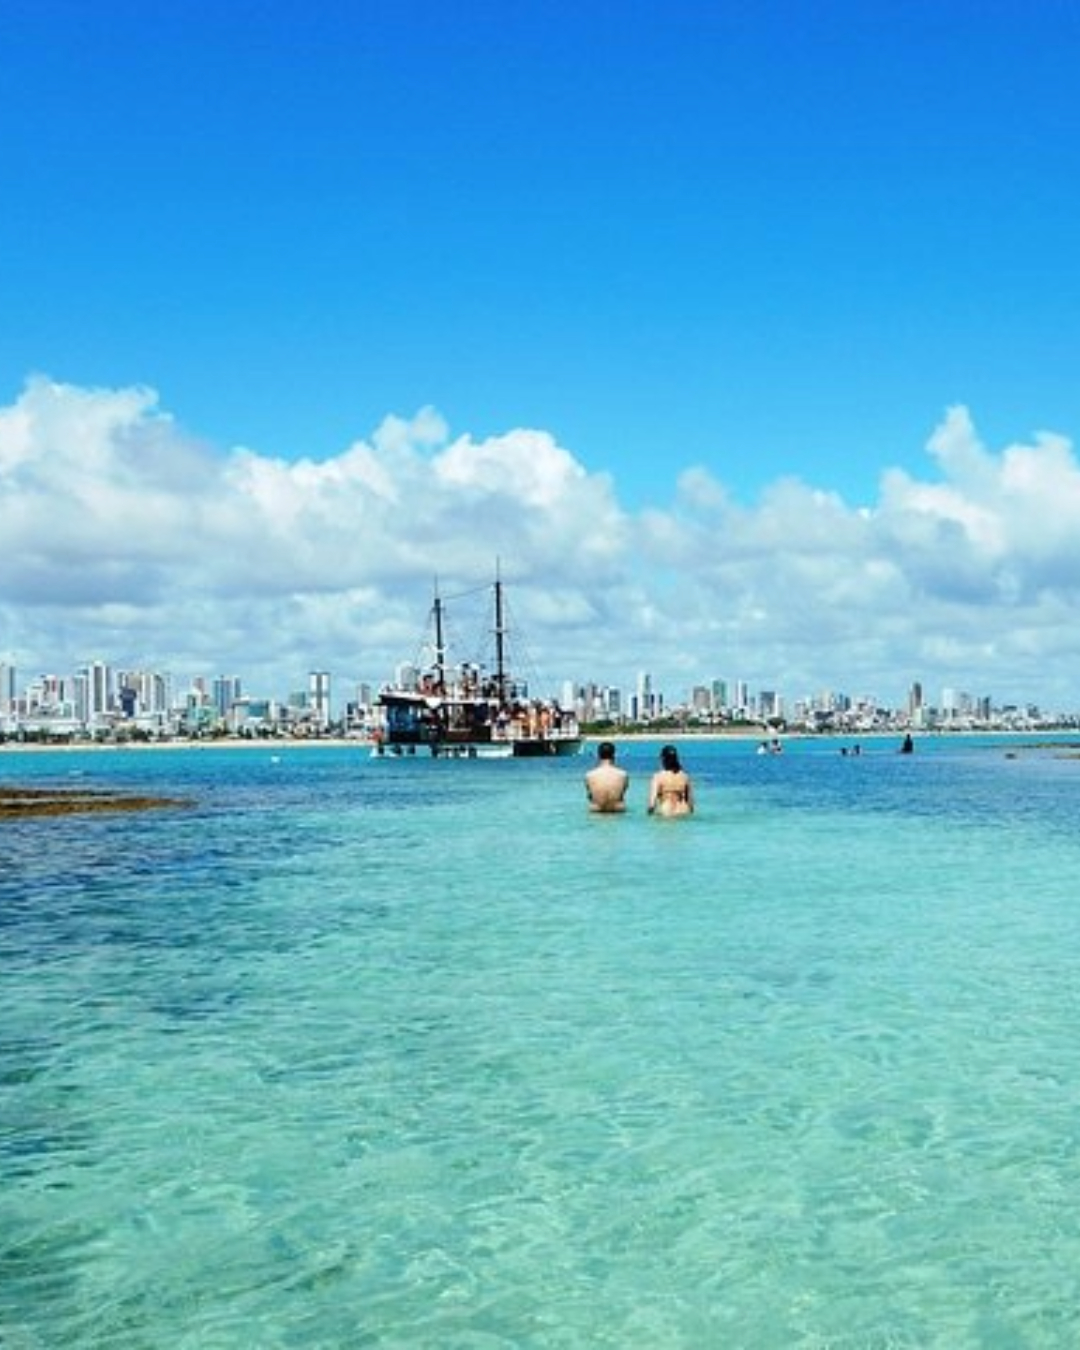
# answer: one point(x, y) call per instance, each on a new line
point(671, 792)
point(606, 784)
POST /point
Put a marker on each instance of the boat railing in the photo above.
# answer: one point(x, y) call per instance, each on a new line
point(518, 730)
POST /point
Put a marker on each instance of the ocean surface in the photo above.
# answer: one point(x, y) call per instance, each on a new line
point(356, 1053)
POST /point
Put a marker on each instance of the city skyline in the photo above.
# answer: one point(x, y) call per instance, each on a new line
point(99, 695)
point(740, 337)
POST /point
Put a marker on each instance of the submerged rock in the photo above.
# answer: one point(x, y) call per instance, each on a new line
point(19, 802)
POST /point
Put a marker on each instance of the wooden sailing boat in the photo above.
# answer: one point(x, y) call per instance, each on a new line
point(467, 712)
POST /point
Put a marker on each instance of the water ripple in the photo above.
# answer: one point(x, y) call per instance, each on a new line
point(361, 1054)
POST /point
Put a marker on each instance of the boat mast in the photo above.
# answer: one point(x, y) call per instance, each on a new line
point(440, 647)
point(500, 638)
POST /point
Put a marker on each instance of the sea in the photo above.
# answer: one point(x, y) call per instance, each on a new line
point(414, 1053)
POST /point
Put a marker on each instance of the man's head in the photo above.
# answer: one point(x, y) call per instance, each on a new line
point(605, 751)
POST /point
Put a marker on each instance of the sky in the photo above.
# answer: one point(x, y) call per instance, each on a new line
point(741, 337)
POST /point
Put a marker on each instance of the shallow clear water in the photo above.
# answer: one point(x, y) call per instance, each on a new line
point(415, 1054)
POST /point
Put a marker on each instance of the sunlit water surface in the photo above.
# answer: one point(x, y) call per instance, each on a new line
point(420, 1054)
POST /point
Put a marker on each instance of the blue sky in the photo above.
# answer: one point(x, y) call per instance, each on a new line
point(755, 241)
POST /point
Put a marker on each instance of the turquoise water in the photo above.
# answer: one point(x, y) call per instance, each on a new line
point(421, 1054)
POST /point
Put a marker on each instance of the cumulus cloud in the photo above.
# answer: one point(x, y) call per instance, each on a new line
point(127, 538)
point(125, 535)
point(996, 530)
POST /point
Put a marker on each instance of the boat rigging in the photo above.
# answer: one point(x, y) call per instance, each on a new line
point(466, 711)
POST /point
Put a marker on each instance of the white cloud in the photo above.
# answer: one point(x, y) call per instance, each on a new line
point(125, 537)
point(999, 530)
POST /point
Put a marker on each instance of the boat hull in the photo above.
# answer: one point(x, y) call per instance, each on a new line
point(429, 750)
point(518, 749)
point(544, 749)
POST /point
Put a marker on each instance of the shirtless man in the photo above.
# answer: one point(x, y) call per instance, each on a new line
point(606, 784)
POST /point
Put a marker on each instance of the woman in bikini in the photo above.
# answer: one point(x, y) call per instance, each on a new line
point(671, 793)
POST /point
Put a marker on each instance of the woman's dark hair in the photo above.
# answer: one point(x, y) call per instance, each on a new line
point(669, 758)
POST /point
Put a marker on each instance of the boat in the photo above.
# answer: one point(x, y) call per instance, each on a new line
point(469, 710)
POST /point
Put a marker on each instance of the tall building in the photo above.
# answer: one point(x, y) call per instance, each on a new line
point(955, 704)
point(770, 704)
point(81, 685)
point(100, 689)
point(93, 693)
point(645, 699)
point(7, 688)
point(142, 693)
point(407, 676)
point(319, 697)
point(701, 699)
point(226, 691)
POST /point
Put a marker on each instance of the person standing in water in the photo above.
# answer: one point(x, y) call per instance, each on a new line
point(671, 792)
point(606, 784)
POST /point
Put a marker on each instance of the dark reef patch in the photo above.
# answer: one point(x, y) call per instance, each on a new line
point(20, 802)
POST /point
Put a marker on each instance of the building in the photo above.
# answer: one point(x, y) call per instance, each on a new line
point(319, 698)
point(226, 692)
point(7, 689)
